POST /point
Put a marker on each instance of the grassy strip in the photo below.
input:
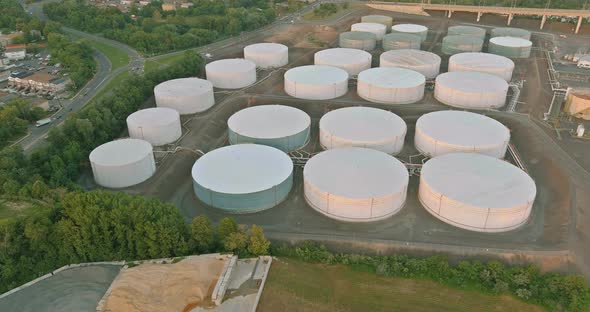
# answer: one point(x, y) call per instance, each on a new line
point(109, 86)
point(162, 62)
point(294, 285)
point(117, 56)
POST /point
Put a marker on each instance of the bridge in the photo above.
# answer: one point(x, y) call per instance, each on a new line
point(480, 10)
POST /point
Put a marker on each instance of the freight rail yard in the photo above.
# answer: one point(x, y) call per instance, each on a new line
point(437, 149)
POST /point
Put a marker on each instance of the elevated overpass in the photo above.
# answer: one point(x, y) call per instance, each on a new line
point(480, 10)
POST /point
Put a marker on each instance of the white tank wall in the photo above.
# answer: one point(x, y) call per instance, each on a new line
point(316, 82)
point(159, 125)
point(378, 29)
point(471, 90)
point(389, 85)
point(424, 62)
point(231, 73)
point(185, 95)
point(398, 41)
point(412, 29)
point(267, 55)
point(353, 61)
point(361, 40)
point(510, 47)
point(122, 163)
point(484, 63)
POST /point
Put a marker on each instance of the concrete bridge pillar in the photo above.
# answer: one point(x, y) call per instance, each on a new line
point(579, 24)
point(450, 14)
point(543, 20)
point(479, 14)
point(510, 16)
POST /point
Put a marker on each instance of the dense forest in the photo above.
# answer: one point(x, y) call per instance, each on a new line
point(11, 13)
point(152, 30)
point(14, 119)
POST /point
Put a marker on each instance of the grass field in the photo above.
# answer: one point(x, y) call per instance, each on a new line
point(162, 62)
point(117, 56)
point(109, 86)
point(297, 286)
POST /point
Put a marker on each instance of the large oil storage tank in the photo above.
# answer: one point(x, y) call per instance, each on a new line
point(378, 29)
point(355, 184)
point(316, 82)
point(279, 126)
point(511, 47)
point(476, 192)
point(243, 178)
point(267, 55)
point(472, 90)
point(185, 95)
point(511, 32)
point(412, 29)
point(397, 41)
point(362, 40)
point(387, 21)
point(484, 63)
point(122, 163)
point(231, 73)
point(353, 61)
point(159, 125)
point(445, 132)
point(424, 62)
point(467, 31)
point(367, 127)
point(391, 85)
point(457, 44)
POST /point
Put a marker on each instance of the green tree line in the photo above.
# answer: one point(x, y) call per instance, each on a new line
point(152, 30)
point(14, 119)
point(559, 4)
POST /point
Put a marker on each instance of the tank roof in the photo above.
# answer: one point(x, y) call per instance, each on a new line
point(154, 116)
point(120, 152)
point(183, 86)
point(472, 81)
point(514, 42)
point(231, 66)
point(392, 77)
point(269, 121)
point(316, 74)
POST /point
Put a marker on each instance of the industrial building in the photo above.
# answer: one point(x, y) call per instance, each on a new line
point(577, 103)
point(363, 127)
point(185, 95)
point(387, 21)
point(424, 62)
point(231, 73)
point(457, 44)
point(397, 41)
point(158, 125)
point(361, 40)
point(316, 82)
point(353, 61)
point(283, 127)
point(484, 63)
point(355, 184)
point(471, 90)
point(412, 29)
point(511, 47)
point(122, 163)
point(444, 132)
point(467, 31)
point(510, 32)
point(38, 82)
point(476, 192)
point(15, 52)
point(243, 178)
point(391, 85)
point(267, 55)
point(378, 29)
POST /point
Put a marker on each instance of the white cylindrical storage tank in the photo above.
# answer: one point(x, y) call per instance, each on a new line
point(367, 127)
point(355, 184)
point(378, 29)
point(122, 163)
point(482, 62)
point(316, 82)
point(158, 125)
point(412, 29)
point(391, 85)
point(476, 192)
point(231, 73)
point(362, 40)
point(243, 178)
point(511, 32)
point(445, 132)
point(279, 126)
point(471, 90)
point(185, 95)
point(424, 62)
point(267, 55)
point(353, 61)
point(511, 47)
point(397, 41)
point(458, 44)
point(387, 21)
point(467, 31)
